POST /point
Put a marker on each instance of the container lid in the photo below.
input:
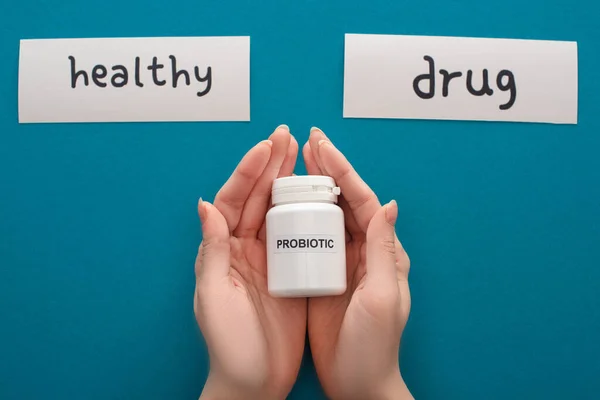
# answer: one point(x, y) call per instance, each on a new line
point(304, 188)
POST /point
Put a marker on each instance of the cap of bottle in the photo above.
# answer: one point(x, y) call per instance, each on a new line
point(304, 188)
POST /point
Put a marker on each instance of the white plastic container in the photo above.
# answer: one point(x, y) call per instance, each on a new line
point(306, 246)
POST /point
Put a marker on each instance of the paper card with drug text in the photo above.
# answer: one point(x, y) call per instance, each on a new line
point(424, 77)
point(134, 79)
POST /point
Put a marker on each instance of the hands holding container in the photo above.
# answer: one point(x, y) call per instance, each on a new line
point(318, 259)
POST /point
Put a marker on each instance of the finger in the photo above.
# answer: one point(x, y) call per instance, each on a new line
point(313, 169)
point(287, 169)
point(314, 137)
point(381, 248)
point(257, 204)
point(405, 301)
point(402, 270)
point(289, 163)
point(402, 261)
point(232, 196)
point(309, 160)
point(213, 257)
point(361, 199)
point(349, 220)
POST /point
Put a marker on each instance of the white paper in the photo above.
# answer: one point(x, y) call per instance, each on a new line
point(380, 70)
point(46, 73)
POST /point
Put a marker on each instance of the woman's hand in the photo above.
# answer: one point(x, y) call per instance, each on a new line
point(255, 341)
point(355, 338)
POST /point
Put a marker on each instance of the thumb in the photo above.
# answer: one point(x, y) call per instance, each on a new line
point(381, 248)
point(213, 255)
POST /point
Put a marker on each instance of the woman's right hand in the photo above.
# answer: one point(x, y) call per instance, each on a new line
point(255, 341)
point(355, 337)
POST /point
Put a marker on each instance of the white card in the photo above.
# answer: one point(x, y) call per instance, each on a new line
point(424, 77)
point(135, 79)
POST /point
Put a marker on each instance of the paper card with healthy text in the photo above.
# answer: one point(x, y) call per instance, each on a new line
point(134, 79)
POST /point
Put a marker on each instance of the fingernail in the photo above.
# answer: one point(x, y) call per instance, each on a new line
point(267, 142)
point(202, 210)
point(391, 212)
point(318, 132)
point(284, 126)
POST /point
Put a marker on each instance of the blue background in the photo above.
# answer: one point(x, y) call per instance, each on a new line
point(99, 231)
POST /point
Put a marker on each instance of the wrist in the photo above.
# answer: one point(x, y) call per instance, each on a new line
point(395, 388)
point(215, 389)
point(219, 389)
point(384, 387)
